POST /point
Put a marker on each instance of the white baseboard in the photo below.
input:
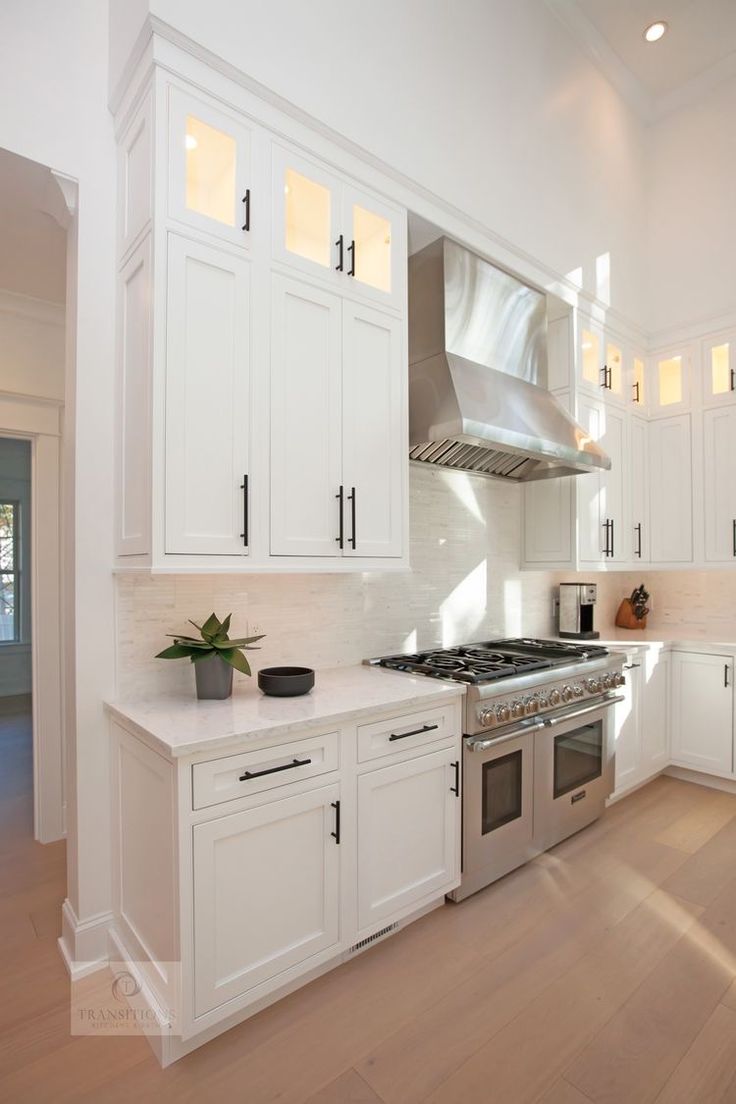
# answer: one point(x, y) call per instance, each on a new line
point(83, 943)
point(711, 780)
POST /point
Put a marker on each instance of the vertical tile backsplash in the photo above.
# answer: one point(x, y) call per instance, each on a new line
point(465, 584)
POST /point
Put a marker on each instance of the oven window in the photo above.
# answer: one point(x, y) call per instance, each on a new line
point(578, 757)
point(501, 791)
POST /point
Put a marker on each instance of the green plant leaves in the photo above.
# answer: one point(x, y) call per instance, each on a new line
point(236, 659)
point(214, 640)
point(179, 651)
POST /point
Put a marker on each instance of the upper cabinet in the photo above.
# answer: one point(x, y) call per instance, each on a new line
point(211, 186)
point(670, 490)
point(263, 367)
point(670, 383)
point(719, 484)
point(328, 228)
point(719, 369)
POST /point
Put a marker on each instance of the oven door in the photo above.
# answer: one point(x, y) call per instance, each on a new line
point(498, 792)
point(573, 771)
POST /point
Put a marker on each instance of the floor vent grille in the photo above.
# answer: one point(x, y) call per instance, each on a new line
point(372, 938)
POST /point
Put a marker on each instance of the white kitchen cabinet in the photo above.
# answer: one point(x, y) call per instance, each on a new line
point(306, 419)
point(266, 893)
point(601, 494)
point(641, 719)
point(639, 391)
point(669, 391)
point(638, 482)
point(207, 400)
point(670, 490)
point(548, 521)
point(719, 369)
point(719, 484)
point(372, 432)
point(702, 712)
point(211, 185)
point(327, 227)
point(408, 838)
point(337, 435)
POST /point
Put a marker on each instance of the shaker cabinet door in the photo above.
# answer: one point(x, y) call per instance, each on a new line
point(373, 439)
point(306, 421)
point(719, 492)
point(266, 894)
point(670, 490)
point(207, 399)
point(702, 712)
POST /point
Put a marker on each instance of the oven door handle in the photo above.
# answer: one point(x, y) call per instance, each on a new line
point(495, 741)
point(549, 722)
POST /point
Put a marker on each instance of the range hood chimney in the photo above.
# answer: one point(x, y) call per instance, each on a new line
point(478, 398)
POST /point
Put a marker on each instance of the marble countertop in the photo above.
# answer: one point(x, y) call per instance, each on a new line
point(179, 725)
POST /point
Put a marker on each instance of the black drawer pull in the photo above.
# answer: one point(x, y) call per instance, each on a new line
point(274, 770)
point(351, 251)
point(456, 788)
point(336, 834)
point(340, 243)
point(577, 797)
point(246, 202)
point(340, 538)
point(244, 489)
point(414, 732)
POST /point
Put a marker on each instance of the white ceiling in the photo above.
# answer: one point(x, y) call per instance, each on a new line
point(32, 234)
point(698, 50)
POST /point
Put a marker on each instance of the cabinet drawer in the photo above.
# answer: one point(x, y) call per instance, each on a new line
point(411, 731)
point(268, 769)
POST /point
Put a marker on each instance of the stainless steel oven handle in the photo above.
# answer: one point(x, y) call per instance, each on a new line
point(548, 722)
point(495, 741)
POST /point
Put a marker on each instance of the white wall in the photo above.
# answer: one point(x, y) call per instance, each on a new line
point(15, 486)
point(489, 104)
point(53, 94)
point(692, 217)
point(31, 347)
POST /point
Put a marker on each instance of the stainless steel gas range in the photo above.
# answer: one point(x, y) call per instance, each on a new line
point(538, 758)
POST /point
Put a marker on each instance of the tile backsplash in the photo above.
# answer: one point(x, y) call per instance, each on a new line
point(465, 584)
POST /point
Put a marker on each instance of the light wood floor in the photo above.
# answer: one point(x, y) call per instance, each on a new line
point(603, 971)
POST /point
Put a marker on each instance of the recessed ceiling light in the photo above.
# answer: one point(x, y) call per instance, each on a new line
point(654, 31)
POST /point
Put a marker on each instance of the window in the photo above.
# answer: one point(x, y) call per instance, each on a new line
point(9, 572)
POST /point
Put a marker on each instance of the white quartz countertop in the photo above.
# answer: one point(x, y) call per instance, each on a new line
point(178, 724)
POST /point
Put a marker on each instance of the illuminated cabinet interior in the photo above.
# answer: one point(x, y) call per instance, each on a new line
point(670, 381)
point(211, 161)
point(372, 238)
point(308, 218)
point(614, 363)
point(720, 370)
point(590, 348)
point(639, 395)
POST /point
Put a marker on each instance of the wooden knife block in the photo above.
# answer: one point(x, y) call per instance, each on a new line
point(627, 619)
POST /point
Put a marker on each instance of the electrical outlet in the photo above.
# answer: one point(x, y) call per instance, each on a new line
point(255, 629)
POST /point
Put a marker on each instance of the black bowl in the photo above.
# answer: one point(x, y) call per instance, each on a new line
point(286, 682)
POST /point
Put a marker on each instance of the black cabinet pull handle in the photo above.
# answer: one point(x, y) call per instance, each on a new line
point(734, 536)
point(336, 834)
point(340, 253)
point(725, 675)
point(456, 788)
point(340, 538)
point(274, 770)
point(351, 251)
point(637, 393)
point(414, 732)
point(604, 371)
point(637, 530)
point(351, 500)
point(244, 489)
point(246, 202)
point(607, 526)
point(613, 532)
point(733, 379)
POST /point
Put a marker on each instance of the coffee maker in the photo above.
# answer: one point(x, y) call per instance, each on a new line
point(577, 603)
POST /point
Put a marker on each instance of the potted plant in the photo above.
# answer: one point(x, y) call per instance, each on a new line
point(213, 654)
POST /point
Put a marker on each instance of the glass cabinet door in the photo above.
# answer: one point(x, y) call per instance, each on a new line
point(209, 169)
point(719, 369)
point(590, 356)
point(670, 381)
point(306, 216)
point(638, 382)
point(614, 367)
point(372, 242)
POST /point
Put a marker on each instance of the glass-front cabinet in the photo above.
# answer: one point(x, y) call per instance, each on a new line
point(719, 369)
point(210, 185)
point(329, 229)
point(590, 355)
point(638, 382)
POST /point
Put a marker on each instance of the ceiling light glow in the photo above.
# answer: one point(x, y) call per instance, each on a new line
point(655, 31)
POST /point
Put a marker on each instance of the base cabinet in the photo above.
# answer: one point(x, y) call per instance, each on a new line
point(408, 838)
point(249, 925)
point(642, 719)
point(702, 712)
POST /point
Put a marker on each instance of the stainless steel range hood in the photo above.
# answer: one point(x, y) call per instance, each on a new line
point(478, 398)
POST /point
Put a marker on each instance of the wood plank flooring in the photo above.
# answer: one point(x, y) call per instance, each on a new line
point(604, 971)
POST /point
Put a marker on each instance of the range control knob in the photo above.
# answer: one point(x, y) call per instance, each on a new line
point(503, 714)
point(578, 691)
point(594, 686)
point(554, 697)
point(567, 693)
point(543, 701)
point(532, 704)
point(487, 717)
point(619, 680)
point(517, 709)
point(607, 682)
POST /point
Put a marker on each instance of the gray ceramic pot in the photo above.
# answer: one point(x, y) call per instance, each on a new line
point(214, 678)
